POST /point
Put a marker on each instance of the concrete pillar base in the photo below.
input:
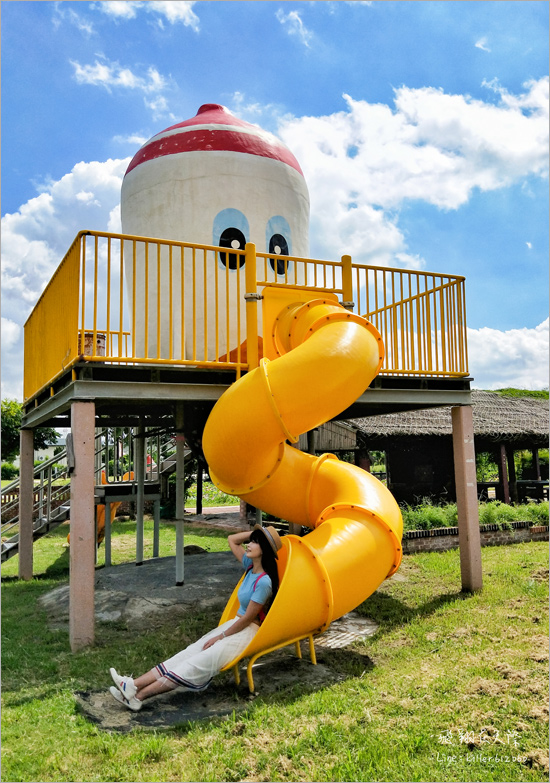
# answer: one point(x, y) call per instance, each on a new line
point(83, 541)
point(466, 498)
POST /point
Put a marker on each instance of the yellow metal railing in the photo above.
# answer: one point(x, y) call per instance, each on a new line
point(421, 317)
point(123, 299)
point(51, 331)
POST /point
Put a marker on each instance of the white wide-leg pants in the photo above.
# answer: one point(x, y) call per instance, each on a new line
point(193, 668)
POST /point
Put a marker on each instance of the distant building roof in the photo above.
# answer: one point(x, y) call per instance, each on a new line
point(496, 418)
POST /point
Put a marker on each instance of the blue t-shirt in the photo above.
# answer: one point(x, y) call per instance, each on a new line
point(247, 592)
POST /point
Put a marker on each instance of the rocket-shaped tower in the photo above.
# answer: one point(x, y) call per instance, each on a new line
point(213, 179)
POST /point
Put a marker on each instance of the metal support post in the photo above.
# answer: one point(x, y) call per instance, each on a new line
point(180, 493)
point(96, 547)
point(198, 509)
point(156, 528)
point(41, 496)
point(107, 533)
point(466, 498)
point(140, 494)
point(49, 494)
point(347, 284)
point(251, 305)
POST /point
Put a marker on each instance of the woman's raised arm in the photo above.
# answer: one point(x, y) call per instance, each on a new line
point(235, 541)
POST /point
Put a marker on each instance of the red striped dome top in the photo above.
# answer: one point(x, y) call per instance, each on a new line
point(214, 128)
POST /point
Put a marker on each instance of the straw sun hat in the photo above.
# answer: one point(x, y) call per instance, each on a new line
point(272, 537)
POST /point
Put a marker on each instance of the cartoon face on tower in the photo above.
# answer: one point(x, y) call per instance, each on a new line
point(215, 180)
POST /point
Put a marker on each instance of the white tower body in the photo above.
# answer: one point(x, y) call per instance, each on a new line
point(216, 180)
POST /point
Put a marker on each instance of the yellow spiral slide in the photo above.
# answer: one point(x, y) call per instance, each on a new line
point(325, 359)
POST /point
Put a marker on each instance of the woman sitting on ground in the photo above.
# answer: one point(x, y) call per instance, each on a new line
point(193, 668)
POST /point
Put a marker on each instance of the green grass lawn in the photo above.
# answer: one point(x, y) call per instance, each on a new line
point(452, 687)
point(211, 496)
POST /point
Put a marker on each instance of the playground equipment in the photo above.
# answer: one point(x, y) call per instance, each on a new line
point(100, 510)
point(324, 358)
point(157, 322)
point(51, 496)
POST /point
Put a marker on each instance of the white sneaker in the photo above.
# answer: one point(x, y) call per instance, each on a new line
point(124, 684)
point(132, 703)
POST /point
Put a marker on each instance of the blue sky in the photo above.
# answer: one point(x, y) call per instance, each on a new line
point(443, 105)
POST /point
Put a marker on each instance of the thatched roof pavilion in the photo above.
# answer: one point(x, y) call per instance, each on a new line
point(523, 421)
point(418, 445)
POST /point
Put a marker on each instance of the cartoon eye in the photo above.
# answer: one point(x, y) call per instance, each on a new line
point(234, 238)
point(231, 230)
point(278, 242)
point(278, 246)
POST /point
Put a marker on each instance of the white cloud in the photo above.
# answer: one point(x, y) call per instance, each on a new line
point(159, 108)
point(268, 116)
point(109, 75)
point(37, 236)
point(294, 25)
point(114, 224)
point(120, 9)
point(172, 11)
point(11, 359)
point(176, 11)
point(133, 139)
point(333, 5)
point(533, 100)
point(87, 198)
point(10, 333)
point(65, 14)
point(482, 44)
point(517, 357)
point(363, 163)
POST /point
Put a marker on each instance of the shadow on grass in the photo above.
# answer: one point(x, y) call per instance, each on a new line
point(389, 612)
point(59, 569)
point(348, 662)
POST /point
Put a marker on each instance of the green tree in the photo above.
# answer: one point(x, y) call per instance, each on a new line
point(486, 467)
point(11, 425)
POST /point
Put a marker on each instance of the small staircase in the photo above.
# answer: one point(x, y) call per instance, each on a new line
point(51, 494)
point(39, 528)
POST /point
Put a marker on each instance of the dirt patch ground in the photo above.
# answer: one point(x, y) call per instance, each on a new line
point(280, 672)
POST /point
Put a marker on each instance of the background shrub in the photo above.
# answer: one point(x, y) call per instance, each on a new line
point(428, 515)
point(9, 471)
